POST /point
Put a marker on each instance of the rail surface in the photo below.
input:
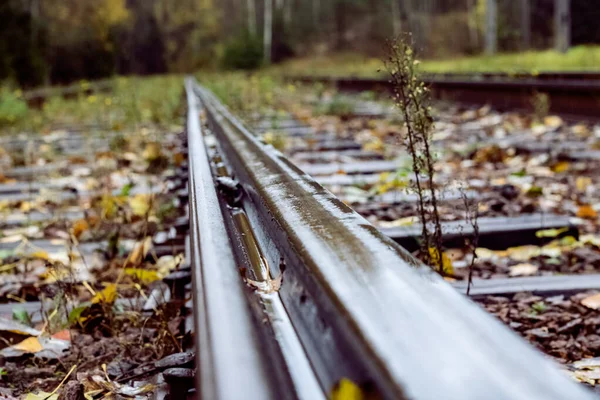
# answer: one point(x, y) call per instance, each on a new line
point(570, 94)
point(351, 303)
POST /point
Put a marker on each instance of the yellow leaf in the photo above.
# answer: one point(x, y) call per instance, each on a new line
point(562, 166)
point(586, 211)
point(582, 183)
point(41, 396)
point(550, 233)
point(79, 227)
point(152, 151)
point(145, 276)
point(108, 205)
point(108, 295)
point(29, 345)
point(40, 254)
point(140, 204)
point(592, 301)
point(347, 390)
point(446, 263)
point(521, 253)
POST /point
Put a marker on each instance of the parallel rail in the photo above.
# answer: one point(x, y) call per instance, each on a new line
point(352, 304)
point(570, 94)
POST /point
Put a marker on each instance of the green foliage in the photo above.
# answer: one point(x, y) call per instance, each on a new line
point(13, 109)
point(243, 52)
point(338, 106)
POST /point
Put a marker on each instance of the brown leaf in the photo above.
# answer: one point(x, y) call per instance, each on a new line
point(586, 211)
point(592, 301)
point(79, 227)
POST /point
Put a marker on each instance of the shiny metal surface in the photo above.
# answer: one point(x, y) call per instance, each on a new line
point(362, 307)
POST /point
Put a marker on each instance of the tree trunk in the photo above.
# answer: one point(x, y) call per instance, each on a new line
point(562, 25)
point(268, 30)
point(396, 23)
point(525, 24)
point(491, 27)
point(287, 15)
point(251, 17)
point(316, 13)
point(473, 24)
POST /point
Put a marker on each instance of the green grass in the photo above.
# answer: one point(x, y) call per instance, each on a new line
point(132, 102)
point(580, 58)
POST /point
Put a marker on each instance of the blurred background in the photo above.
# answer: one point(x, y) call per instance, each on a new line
point(44, 42)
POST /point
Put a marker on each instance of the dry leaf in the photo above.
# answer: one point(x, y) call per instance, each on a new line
point(178, 159)
point(152, 151)
point(108, 295)
point(523, 269)
point(29, 345)
point(561, 166)
point(140, 204)
point(41, 396)
point(586, 211)
point(79, 227)
point(582, 183)
point(592, 301)
point(144, 276)
point(446, 263)
point(347, 390)
point(552, 121)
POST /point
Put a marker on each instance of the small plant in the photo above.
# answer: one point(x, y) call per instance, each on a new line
point(412, 98)
point(471, 216)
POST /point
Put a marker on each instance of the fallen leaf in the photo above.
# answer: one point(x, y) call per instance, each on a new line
point(41, 346)
point(582, 183)
point(144, 276)
point(592, 301)
point(152, 151)
point(561, 166)
point(521, 253)
point(140, 204)
point(65, 334)
point(79, 227)
point(553, 121)
point(523, 269)
point(178, 159)
point(408, 221)
point(108, 295)
point(446, 263)
point(587, 363)
point(40, 254)
point(586, 211)
point(140, 251)
point(550, 233)
point(41, 396)
point(345, 389)
point(29, 345)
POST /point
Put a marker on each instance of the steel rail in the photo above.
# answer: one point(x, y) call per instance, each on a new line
point(226, 340)
point(574, 96)
point(362, 307)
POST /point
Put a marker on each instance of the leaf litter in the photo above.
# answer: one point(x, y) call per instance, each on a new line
point(92, 273)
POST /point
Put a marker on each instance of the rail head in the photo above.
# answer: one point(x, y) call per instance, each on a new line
point(363, 307)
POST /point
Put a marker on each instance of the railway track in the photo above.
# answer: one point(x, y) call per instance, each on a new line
point(314, 296)
point(292, 289)
point(570, 94)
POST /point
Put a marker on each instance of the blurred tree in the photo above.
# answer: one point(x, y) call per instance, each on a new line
point(22, 44)
point(190, 30)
